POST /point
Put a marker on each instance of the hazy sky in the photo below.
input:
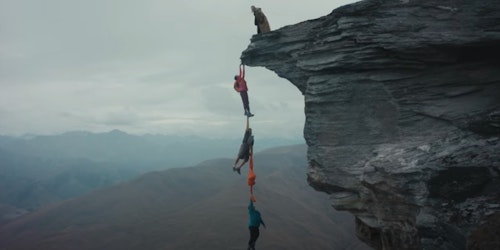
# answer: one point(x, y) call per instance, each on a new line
point(150, 66)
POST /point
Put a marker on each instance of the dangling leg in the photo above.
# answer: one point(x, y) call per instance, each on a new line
point(254, 234)
point(244, 99)
point(241, 165)
point(256, 237)
point(235, 162)
point(246, 105)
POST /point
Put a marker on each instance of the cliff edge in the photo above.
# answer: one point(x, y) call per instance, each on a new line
point(402, 105)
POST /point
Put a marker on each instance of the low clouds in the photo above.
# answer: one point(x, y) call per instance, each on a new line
point(141, 66)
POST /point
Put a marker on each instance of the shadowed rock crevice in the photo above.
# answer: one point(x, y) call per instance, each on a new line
point(458, 184)
point(402, 105)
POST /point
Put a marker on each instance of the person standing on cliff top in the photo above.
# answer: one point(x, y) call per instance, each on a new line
point(260, 20)
point(240, 85)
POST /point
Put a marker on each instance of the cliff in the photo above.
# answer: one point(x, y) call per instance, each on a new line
point(402, 105)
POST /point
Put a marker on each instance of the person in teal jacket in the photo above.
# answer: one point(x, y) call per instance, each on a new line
point(253, 225)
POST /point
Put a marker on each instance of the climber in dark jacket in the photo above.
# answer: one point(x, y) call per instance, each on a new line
point(253, 225)
point(246, 149)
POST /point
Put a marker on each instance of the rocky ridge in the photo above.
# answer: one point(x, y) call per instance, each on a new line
point(402, 105)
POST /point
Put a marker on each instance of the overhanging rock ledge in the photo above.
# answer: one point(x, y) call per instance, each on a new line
point(402, 105)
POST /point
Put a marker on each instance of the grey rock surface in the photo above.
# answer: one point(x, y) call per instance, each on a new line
point(402, 105)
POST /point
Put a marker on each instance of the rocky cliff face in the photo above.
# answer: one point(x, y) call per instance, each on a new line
point(402, 116)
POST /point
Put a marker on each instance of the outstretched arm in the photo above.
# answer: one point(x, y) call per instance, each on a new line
point(242, 71)
point(250, 206)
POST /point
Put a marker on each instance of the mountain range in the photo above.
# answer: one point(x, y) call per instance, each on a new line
point(145, 152)
point(37, 170)
point(200, 207)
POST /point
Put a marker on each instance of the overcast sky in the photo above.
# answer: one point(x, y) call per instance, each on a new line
point(150, 66)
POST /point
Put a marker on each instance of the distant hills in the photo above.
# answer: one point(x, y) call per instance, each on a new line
point(37, 171)
point(201, 207)
point(145, 152)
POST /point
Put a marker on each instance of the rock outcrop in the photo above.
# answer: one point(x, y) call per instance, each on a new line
point(402, 105)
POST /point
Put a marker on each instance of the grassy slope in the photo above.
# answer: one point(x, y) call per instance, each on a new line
point(202, 207)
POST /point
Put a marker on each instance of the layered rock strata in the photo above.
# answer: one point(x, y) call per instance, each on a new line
point(402, 105)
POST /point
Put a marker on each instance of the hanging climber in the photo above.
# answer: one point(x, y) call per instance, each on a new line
point(260, 20)
point(246, 149)
point(240, 85)
point(253, 225)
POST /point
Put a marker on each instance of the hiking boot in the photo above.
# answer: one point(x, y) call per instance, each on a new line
point(235, 169)
point(249, 114)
